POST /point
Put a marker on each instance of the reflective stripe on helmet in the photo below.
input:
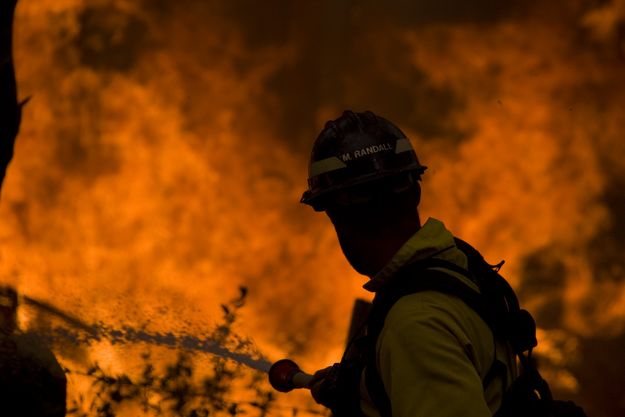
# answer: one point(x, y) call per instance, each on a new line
point(325, 165)
point(333, 163)
point(403, 145)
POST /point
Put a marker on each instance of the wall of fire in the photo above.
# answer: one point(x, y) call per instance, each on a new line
point(162, 157)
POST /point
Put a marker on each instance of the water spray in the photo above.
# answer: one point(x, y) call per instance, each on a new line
point(88, 333)
point(284, 375)
point(127, 335)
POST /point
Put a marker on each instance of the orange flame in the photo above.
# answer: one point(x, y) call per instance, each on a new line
point(160, 162)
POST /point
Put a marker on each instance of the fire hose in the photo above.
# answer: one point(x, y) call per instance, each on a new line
point(285, 375)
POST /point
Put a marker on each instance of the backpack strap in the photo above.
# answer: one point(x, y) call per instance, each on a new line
point(420, 276)
point(496, 304)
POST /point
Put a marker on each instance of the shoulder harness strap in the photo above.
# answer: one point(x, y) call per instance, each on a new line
point(419, 277)
point(496, 304)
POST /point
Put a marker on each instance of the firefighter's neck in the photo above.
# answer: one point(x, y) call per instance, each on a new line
point(389, 243)
point(372, 252)
point(371, 234)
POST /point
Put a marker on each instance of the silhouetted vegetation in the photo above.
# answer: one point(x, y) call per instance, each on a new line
point(182, 388)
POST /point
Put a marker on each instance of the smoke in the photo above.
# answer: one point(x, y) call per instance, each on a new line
point(164, 152)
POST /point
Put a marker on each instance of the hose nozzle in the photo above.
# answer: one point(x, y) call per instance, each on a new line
point(285, 375)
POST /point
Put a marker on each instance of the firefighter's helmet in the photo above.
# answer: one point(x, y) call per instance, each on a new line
point(357, 155)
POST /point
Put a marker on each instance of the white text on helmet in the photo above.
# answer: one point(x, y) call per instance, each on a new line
point(372, 149)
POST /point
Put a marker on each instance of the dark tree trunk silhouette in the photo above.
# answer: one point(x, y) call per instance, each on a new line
point(10, 108)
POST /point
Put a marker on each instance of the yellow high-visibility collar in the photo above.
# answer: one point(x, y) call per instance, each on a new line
point(432, 239)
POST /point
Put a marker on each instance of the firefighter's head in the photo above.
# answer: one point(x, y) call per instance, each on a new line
point(365, 175)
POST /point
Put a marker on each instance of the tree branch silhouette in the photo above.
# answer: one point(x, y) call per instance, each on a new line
point(10, 107)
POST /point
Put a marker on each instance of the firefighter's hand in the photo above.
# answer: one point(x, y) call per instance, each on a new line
point(323, 386)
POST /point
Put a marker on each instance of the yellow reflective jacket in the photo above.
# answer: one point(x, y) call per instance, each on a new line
point(434, 351)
